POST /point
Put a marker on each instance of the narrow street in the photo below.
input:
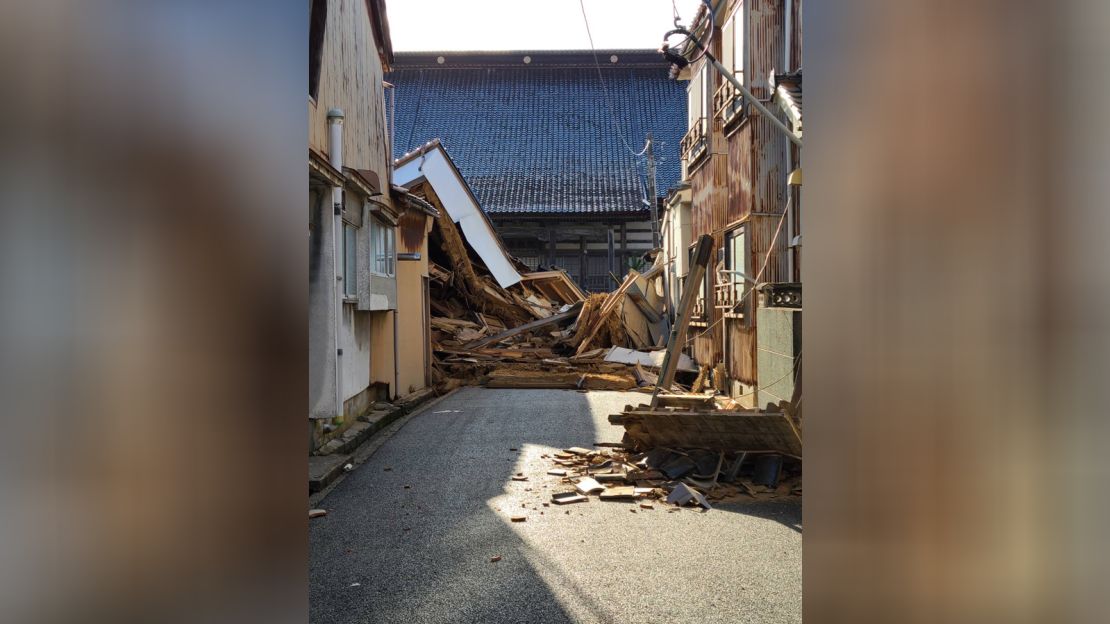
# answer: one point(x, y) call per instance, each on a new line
point(409, 535)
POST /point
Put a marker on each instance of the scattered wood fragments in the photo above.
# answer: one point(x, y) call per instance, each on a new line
point(317, 513)
point(587, 485)
point(678, 477)
point(495, 559)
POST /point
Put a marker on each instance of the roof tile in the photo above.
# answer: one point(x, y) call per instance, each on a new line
point(539, 138)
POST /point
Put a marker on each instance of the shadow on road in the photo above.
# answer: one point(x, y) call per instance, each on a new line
point(410, 531)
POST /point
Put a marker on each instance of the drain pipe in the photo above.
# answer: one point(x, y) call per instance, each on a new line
point(396, 370)
point(335, 157)
point(788, 6)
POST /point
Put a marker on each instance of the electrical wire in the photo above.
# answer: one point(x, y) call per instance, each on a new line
point(605, 87)
point(763, 269)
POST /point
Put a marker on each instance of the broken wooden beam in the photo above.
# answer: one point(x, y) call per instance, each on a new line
point(690, 289)
point(519, 329)
point(611, 303)
point(749, 431)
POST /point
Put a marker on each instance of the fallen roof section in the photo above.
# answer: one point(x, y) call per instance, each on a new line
point(432, 163)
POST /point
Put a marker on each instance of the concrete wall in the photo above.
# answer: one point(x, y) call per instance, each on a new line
point(321, 309)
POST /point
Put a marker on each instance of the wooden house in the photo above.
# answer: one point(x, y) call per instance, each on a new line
point(741, 186)
point(367, 238)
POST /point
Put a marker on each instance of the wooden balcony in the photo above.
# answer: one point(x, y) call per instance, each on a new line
point(728, 103)
point(695, 144)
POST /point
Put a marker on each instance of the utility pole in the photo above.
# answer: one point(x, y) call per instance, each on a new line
point(652, 194)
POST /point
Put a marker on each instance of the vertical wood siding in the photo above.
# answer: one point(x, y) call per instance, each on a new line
point(351, 79)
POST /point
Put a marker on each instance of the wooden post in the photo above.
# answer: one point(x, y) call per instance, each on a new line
point(550, 246)
point(610, 236)
point(624, 247)
point(677, 339)
point(583, 261)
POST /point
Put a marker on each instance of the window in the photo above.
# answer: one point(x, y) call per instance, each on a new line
point(727, 43)
point(317, 23)
point(696, 98)
point(735, 40)
point(381, 246)
point(350, 259)
point(736, 259)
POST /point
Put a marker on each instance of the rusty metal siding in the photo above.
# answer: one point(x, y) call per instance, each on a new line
point(709, 196)
point(701, 204)
point(741, 351)
point(768, 144)
point(739, 174)
point(761, 228)
point(745, 181)
point(411, 227)
point(765, 53)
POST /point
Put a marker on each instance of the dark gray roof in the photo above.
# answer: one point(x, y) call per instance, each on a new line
point(538, 137)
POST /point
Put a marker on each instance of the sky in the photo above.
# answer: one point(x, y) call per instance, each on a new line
point(531, 24)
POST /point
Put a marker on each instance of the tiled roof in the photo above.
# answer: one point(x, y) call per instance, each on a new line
point(538, 137)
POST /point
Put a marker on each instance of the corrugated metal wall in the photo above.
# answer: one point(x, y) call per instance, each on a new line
point(744, 181)
point(707, 210)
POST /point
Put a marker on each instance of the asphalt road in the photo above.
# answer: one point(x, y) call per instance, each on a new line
point(390, 553)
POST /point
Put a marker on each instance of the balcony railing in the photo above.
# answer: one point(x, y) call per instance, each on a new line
point(728, 103)
point(694, 144)
point(729, 298)
point(698, 315)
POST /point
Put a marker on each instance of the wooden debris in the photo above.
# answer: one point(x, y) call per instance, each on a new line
point(542, 332)
point(717, 430)
point(619, 493)
point(587, 485)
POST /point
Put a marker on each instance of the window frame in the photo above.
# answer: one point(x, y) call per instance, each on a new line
point(382, 232)
point(704, 299)
point(739, 32)
point(317, 28)
point(737, 284)
point(350, 260)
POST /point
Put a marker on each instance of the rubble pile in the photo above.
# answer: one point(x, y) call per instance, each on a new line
point(678, 477)
point(543, 332)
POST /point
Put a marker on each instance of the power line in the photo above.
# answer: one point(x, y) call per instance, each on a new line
point(605, 88)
